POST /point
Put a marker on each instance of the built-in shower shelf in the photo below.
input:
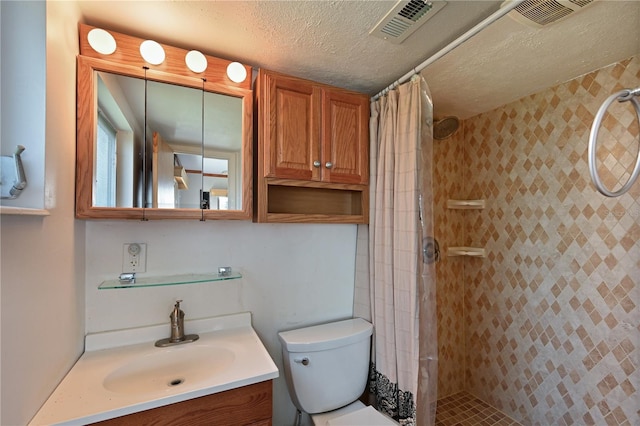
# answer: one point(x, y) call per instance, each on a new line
point(466, 251)
point(465, 204)
point(169, 280)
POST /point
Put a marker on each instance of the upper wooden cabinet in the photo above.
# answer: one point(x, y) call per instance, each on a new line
point(313, 152)
point(314, 132)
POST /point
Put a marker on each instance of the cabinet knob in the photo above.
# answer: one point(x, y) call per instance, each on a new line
point(316, 163)
point(328, 165)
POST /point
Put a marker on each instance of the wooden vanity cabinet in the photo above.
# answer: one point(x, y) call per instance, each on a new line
point(245, 406)
point(313, 152)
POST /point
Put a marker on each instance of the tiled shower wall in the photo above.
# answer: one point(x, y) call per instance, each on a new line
point(550, 318)
point(448, 181)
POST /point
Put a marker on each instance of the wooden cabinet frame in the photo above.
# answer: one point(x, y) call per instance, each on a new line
point(245, 406)
point(127, 61)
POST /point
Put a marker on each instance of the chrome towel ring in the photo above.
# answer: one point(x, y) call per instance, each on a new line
point(621, 96)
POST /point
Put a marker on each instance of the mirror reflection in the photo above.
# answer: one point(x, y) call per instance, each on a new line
point(119, 141)
point(187, 164)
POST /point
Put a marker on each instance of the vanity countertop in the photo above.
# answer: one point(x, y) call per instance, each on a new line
point(116, 375)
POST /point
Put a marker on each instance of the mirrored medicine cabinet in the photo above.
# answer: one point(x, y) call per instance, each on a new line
point(160, 141)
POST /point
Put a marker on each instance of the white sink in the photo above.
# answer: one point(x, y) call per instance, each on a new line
point(109, 382)
point(170, 367)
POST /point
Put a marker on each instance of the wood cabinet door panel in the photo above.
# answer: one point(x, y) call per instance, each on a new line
point(294, 129)
point(345, 137)
point(249, 405)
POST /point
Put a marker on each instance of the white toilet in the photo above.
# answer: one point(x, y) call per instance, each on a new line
point(326, 367)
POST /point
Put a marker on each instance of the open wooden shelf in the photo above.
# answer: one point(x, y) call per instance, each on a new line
point(285, 200)
point(297, 200)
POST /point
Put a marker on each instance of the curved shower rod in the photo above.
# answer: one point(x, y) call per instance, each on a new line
point(504, 9)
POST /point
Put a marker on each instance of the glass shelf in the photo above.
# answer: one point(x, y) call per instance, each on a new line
point(23, 211)
point(465, 204)
point(169, 280)
point(466, 251)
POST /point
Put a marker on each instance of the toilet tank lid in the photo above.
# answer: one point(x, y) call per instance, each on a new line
point(326, 336)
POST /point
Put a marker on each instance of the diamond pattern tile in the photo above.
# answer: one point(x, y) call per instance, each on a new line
point(449, 231)
point(550, 318)
point(463, 409)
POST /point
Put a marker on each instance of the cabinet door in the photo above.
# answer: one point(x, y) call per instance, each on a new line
point(249, 405)
point(292, 123)
point(345, 141)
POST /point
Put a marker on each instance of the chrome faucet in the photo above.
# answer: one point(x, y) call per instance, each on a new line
point(177, 323)
point(177, 329)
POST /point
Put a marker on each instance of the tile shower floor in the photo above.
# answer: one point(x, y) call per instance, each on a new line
point(464, 409)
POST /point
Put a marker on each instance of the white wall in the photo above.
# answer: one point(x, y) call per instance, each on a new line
point(293, 275)
point(42, 315)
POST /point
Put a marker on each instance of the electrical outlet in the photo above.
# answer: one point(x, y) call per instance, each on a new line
point(134, 257)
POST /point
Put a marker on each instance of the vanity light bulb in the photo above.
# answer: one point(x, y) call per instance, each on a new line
point(101, 41)
point(236, 72)
point(196, 61)
point(152, 52)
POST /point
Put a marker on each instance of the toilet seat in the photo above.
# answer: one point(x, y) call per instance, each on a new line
point(354, 414)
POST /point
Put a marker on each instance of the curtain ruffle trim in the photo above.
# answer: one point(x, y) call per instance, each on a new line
point(396, 403)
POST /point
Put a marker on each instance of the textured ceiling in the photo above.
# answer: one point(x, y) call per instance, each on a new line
point(329, 42)
point(509, 60)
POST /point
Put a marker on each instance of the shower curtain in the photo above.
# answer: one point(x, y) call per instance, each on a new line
point(401, 273)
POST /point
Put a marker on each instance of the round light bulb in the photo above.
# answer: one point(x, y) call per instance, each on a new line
point(101, 41)
point(196, 61)
point(236, 72)
point(152, 52)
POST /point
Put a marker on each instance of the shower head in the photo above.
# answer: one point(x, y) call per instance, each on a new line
point(445, 127)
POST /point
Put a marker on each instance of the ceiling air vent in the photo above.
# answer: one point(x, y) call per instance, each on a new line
point(539, 13)
point(405, 18)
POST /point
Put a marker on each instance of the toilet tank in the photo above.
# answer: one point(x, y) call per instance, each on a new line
point(326, 366)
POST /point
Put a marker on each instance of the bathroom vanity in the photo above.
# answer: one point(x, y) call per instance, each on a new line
point(247, 405)
point(123, 378)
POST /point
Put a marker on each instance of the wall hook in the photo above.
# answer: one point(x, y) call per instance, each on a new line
point(12, 177)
